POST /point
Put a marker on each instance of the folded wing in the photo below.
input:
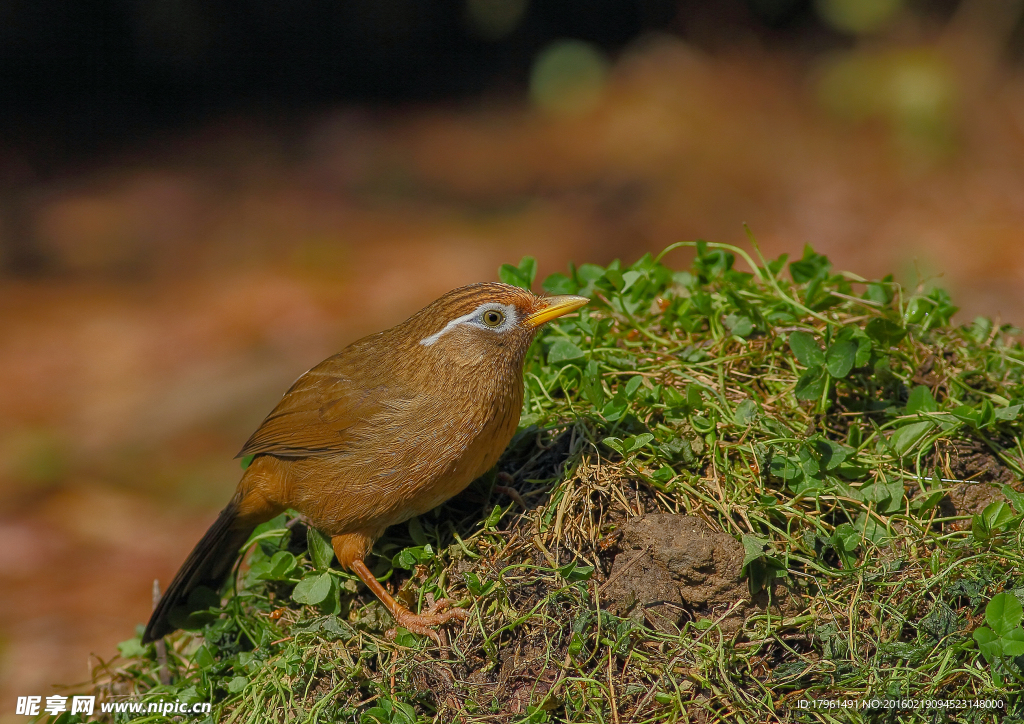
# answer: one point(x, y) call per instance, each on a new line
point(322, 411)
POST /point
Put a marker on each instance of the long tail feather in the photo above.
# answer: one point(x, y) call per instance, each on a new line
point(207, 565)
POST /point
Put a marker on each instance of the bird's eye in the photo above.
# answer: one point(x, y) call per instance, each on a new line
point(493, 318)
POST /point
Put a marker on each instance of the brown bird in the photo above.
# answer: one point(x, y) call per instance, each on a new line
point(387, 429)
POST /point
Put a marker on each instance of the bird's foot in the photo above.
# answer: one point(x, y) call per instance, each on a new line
point(511, 493)
point(504, 487)
point(423, 623)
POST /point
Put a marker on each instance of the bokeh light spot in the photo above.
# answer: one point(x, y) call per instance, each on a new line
point(856, 16)
point(568, 78)
point(913, 90)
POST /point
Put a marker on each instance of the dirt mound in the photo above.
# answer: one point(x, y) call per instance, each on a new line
point(982, 472)
point(675, 567)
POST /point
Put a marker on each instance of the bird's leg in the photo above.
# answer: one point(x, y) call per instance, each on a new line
point(417, 623)
point(350, 549)
point(504, 486)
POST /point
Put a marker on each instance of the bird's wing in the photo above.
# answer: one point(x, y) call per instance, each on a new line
point(321, 411)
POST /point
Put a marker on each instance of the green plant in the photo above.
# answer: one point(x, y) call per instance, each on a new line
point(829, 424)
point(1002, 640)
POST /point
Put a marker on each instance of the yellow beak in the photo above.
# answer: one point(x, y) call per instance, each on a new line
point(556, 307)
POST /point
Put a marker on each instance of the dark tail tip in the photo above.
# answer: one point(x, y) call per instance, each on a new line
point(207, 565)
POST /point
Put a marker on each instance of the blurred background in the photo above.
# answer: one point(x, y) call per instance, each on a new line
point(200, 199)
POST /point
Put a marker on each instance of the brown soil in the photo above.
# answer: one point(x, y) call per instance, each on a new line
point(672, 568)
point(982, 472)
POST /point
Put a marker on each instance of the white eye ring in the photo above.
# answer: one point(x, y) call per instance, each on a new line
point(492, 318)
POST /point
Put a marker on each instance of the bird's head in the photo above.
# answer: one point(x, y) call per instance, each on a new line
point(486, 321)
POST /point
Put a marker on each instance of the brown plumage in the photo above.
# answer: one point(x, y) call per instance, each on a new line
point(392, 426)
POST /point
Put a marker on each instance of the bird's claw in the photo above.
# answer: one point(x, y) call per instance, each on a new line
point(423, 624)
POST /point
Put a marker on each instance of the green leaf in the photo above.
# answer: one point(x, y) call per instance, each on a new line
point(575, 644)
point(528, 268)
point(966, 413)
point(846, 537)
point(979, 528)
point(1011, 412)
point(884, 332)
point(856, 335)
point(1016, 499)
point(132, 648)
point(246, 461)
point(476, 586)
point(921, 400)
point(614, 277)
point(273, 528)
point(694, 398)
point(591, 388)
point(634, 443)
point(916, 309)
point(907, 437)
point(831, 453)
point(559, 284)
point(995, 518)
point(1013, 642)
point(630, 444)
point(633, 385)
point(673, 397)
point(811, 266)
point(205, 656)
point(806, 349)
point(589, 273)
point(312, 589)
point(629, 279)
point(871, 529)
point(746, 413)
point(887, 494)
point(237, 684)
point(321, 552)
point(863, 355)
point(880, 292)
point(760, 567)
point(1003, 613)
point(520, 276)
point(613, 410)
point(811, 385)
point(980, 329)
point(666, 473)
point(573, 573)
point(416, 531)
point(940, 622)
point(493, 518)
point(409, 558)
point(280, 566)
point(986, 415)
point(988, 643)
point(808, 462)
point(389, 712)
point(754, 548)
point(840, 358)
point(786, 468)
point(739, 324)
point(511, 275)
point(563, 350)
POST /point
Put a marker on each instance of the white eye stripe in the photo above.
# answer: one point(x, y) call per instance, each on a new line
point(507, 309)
point(427, 341)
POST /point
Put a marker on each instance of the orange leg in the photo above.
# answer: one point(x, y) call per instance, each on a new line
point(350, 550)
point(505, 488)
